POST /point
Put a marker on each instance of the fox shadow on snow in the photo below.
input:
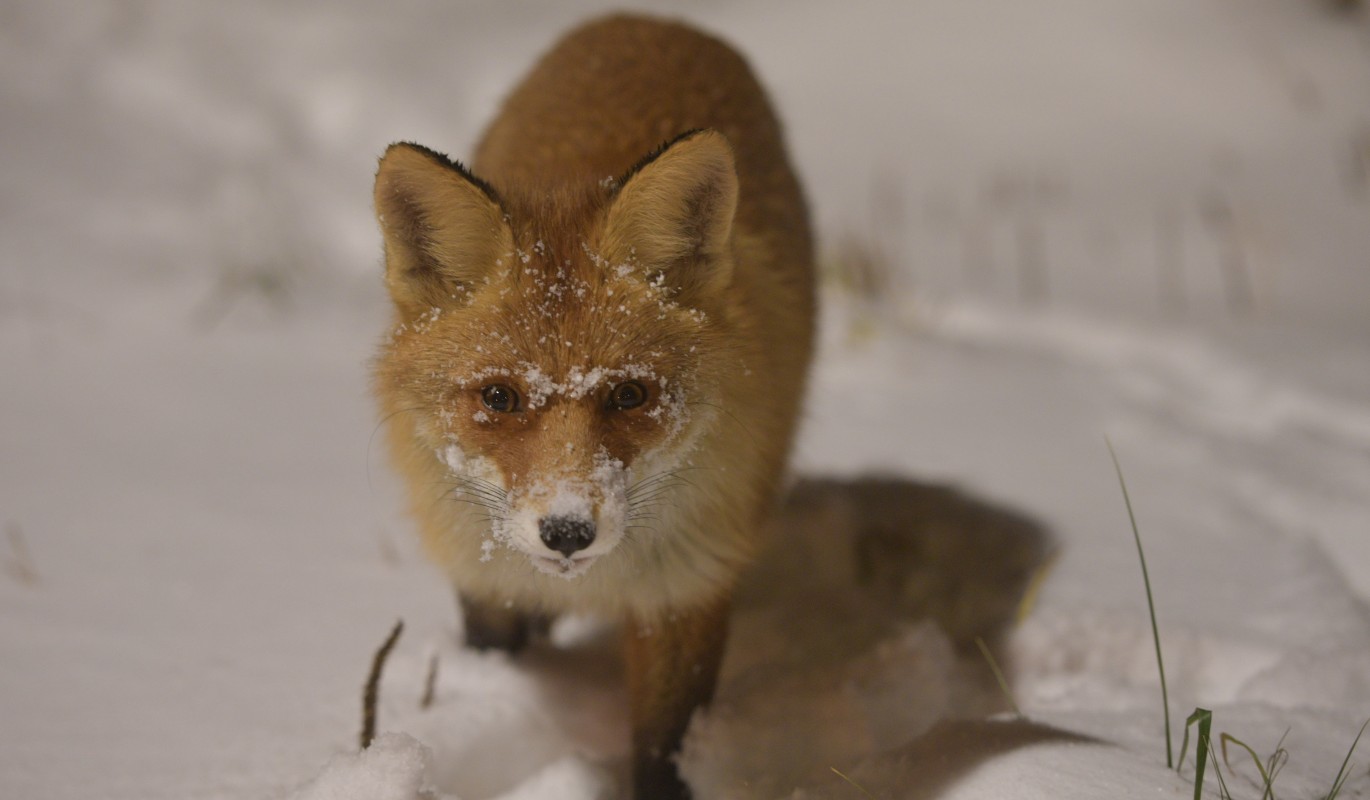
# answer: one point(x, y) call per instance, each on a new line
point(853, 637)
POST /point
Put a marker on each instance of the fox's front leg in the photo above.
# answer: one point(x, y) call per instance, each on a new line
point(493, 625)
point(672, 668)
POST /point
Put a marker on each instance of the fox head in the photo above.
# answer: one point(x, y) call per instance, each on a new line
point(558, 349)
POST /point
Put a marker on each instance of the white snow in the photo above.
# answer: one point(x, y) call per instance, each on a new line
point(394, 767)
point(1140, 220)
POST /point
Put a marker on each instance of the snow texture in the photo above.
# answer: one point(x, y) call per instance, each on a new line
point(394, 767)
point(1146, 220)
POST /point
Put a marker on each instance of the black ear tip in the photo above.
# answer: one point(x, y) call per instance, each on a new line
point(667, 145)
point(710, 134)
point(690, 134)
point(445, 162)
point(427, 152)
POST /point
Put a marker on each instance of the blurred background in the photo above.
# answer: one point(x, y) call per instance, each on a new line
point(1191, 161)
point(1040, 222)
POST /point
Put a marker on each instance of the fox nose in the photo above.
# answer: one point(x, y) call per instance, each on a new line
point(566, 535)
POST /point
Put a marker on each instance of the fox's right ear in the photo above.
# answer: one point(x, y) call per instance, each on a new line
point(443, 227)
point(675, 212)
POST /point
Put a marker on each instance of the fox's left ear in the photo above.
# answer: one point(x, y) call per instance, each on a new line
point(675, 212)
point(444, 228)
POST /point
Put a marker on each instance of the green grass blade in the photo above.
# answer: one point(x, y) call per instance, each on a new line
point(1204, 719)
point(1150, 607)
point(1184, 749)
point(1267, 773)
point(1345, 771)
point(858, 786)
point(1223, 791)
point(998, 675)
point(1276, 763)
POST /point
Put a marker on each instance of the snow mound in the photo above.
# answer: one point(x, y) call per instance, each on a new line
point(394, 767)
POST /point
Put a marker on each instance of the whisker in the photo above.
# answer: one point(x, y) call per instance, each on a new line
point(663, 476)
point(630, 532)
point(448, 497)
point(371, 440)
point(652, 480)
point(650, 497)
point(731, 416)
point(675, 475)
point(477, 488)
point(467, 502)
point(461, 490)
point(465, 488)
point(666, 483)
point(492, 498)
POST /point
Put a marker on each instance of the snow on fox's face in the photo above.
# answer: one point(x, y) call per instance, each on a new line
point(561, 345)
point(559, 398)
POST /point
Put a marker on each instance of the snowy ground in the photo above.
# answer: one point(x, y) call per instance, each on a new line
point(1141, 219)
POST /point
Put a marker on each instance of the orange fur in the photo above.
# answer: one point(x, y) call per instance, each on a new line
point(587, 260)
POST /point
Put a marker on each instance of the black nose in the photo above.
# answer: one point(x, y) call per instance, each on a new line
point(566, 535)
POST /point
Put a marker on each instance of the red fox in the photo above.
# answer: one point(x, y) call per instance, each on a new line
point(602, 330)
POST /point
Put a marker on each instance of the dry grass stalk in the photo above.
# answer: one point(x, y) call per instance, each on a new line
point(373, 684)
point(430, 684)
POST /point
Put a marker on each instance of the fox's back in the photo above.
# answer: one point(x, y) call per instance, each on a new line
point(620, 87)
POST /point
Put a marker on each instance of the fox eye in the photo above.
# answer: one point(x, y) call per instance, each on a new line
point(501, 398)
point(624, 396)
